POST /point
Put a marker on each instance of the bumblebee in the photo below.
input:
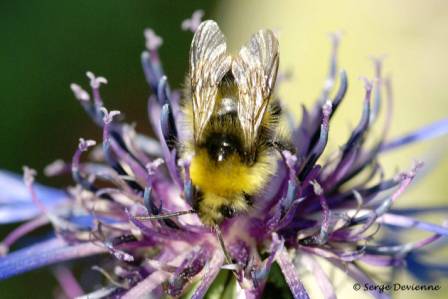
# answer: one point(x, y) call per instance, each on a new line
point(227, 102)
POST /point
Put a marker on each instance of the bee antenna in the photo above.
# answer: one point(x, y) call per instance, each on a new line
point(165, 216)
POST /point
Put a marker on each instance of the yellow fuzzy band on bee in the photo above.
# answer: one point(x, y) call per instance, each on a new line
point(228, 179)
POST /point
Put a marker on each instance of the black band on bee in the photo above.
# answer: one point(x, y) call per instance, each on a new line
point(248, 199)
point(221, 146)
point(275, 109)
point(227, 211)
point(197, 198)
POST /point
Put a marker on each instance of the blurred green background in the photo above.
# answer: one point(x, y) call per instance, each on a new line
point(46, 45)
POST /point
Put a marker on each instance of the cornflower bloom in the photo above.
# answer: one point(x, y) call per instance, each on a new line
point(339, 209)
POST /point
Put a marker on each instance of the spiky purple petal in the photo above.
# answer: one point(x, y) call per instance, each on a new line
point(297, 289)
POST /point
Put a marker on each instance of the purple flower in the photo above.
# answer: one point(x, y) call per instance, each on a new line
point(133, 203)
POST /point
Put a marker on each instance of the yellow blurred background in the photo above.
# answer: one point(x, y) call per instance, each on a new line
point(414, 37)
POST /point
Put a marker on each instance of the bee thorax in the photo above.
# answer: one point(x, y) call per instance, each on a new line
point(227, 105)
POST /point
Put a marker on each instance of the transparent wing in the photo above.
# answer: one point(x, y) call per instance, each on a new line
point(209, 62)
point(255, 71)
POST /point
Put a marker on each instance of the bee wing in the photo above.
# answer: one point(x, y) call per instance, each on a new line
point(209, 62)
point(255, 71)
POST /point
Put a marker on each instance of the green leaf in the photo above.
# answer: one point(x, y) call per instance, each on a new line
point(219, 284)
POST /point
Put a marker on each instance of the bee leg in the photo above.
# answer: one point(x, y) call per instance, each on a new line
point(165, 216)
point(221, 243)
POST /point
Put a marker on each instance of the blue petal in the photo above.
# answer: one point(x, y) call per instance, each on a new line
point(408, 222)
point(431, 131)
point(15, 200)
point(410, 211)
point(88, 221)
point(43, 254)
point(423, 271)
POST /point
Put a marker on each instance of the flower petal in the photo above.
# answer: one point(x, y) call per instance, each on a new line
point(212, 270)
point(407, 222)
point(22, 230)
point(424, 271)
point(357, 274)
point(99, 294)
point(146, 286)
point(152, 68)
point(43, 254)
point(408, 211)
point(431, 131)
point(289, 271)
point(322, 279)
point(15, 199)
